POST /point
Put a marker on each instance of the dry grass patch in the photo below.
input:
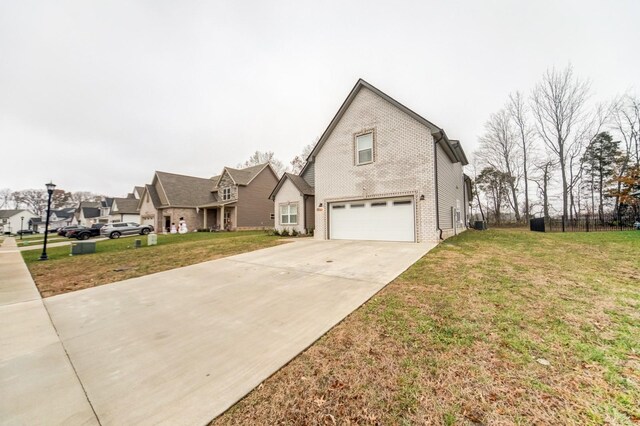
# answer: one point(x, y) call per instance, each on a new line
point(117, 260)
point(463, 336)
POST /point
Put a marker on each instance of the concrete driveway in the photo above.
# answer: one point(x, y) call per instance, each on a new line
point(182, 346)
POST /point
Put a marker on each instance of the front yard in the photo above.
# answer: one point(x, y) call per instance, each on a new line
point(117, 260)
point(495, 327)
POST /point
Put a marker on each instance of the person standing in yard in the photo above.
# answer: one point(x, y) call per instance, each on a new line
point(182, 226)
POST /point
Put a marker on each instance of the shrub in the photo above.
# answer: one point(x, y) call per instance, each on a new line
point(294, 233)
point(310, 231)
point(275, 232)
point(285, 232)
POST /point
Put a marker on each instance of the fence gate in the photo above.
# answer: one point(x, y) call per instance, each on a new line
point(537, 224)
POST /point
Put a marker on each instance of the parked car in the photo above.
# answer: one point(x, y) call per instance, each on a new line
point(115, 230)
point(84, 233)
point(63, 231)
point(25, 232)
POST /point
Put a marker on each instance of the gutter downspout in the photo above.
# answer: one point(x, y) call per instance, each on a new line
point(435, 168)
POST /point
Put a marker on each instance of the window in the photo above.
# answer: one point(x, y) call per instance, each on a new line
point(353, 206)
point(226, 194)
point(400, 203)
point(379, 204)
point(289, 214)
point(339, 206)
point(364, 148)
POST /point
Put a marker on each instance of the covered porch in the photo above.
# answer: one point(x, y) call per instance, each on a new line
point(219, 216)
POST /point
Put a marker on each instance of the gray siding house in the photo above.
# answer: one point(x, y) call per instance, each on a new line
point(379, 172)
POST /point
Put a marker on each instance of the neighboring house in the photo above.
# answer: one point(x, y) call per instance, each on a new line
point(171, 196)
point(57, 219)
point(124, 210)
point(88, 212)
point(11, 221)
point(380, 172)
point(136, 193)
point(105, 210)
point(236, 199)
point(294, 203)
point(241, 199)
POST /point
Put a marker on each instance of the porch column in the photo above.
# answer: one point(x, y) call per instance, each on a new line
point(205, 218)
point(221, 220)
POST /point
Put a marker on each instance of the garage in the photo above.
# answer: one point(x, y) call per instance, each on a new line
point(386, 219)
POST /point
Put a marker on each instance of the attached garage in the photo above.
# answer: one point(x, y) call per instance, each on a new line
point(386, 219)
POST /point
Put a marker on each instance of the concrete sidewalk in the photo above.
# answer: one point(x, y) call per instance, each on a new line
point(38, 385)
point(182, 346)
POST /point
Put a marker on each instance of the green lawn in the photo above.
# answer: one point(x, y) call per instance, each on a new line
point(495, 327)
point(116, 260)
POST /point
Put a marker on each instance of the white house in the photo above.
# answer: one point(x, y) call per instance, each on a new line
point(11, 221)
point(379, 172)
point(124, 210)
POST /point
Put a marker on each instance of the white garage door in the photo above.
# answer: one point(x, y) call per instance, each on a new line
point(389, 219)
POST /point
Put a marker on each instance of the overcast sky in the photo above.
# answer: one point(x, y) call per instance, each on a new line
point(97, 95)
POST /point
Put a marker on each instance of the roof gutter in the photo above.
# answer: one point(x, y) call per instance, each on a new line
point(435, 168)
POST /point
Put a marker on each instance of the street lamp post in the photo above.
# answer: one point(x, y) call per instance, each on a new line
point(50, 188)
point(21, 226)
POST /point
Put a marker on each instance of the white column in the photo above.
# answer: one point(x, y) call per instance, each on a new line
point(205, 218)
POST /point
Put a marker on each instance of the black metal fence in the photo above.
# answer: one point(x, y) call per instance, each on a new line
point(586, 223)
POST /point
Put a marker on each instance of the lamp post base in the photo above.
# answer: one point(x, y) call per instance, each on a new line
point(43, 257)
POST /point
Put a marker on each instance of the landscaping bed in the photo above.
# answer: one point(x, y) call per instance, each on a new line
point(494, 327)
point(117, 260)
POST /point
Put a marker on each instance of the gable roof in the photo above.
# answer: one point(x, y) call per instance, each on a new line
point(63, 213)
point(297, 181)
point(125, 205)
point(438, 133)
point(185, 191)
point(106, 202)
point(90, 212)
point(5, 214)
point(244, 176)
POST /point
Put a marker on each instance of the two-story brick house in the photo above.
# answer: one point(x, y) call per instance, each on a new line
point(379, 172)
point(241, 198)
point(235, 199)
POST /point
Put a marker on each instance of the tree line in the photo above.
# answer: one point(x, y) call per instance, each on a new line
point(556, 142)
point(35, 200)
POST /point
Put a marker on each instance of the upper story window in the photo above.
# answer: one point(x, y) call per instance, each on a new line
point(226, 194)
point(364, 148)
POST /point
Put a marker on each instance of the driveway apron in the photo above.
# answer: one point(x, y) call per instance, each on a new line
point(182, 346)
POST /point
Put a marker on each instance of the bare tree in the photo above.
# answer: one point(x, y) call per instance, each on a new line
point(545, 173)
point(260, 157)
point(518, 111)
point(626, 121)
point(34, 200)
point(79, 196)
point(299, 161)
point(5, 198)
point(558, 105)
point(499, 150)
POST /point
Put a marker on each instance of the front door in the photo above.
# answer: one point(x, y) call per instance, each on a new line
point(227, 219)
point(167, 223)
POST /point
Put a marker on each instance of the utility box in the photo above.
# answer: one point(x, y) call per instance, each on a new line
point(83, 247)
point(480, 225)
point(152, 239)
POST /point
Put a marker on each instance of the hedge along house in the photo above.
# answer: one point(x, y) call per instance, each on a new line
point(241, 199)
point(382, 172)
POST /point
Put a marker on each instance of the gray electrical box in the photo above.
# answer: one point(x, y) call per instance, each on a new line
point(83, 247)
